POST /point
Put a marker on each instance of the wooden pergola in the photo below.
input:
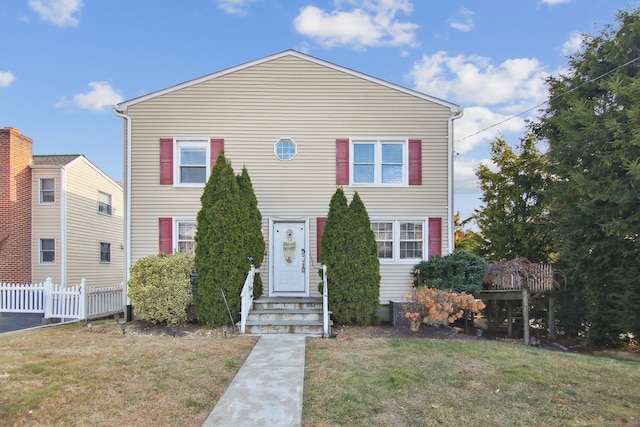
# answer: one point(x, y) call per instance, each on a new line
point(515, 280)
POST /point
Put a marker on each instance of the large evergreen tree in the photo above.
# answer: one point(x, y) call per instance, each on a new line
point(221, 253)
point(592, 124)
point(350, 252)
point(335, 255)
point(365, 264)
point(254, 245)
point(514, 218)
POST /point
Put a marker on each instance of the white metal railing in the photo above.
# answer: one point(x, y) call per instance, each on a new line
point(21, 298)
point(325, 303)
point(65, 302)
point(247, 299)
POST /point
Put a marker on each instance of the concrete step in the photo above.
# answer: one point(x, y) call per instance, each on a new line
point(285, 327)
point(285, 315)
point(287, 303)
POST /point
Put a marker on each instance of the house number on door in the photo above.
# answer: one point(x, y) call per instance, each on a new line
point(289, 246)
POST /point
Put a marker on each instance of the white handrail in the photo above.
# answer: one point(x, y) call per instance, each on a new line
point(247, 299)
point(325, 303)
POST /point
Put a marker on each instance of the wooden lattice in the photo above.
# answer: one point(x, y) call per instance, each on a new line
point(519, 273)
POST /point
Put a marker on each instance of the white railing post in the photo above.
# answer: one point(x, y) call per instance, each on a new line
point(247, 299)
point(325, 303)
point(82, 309)
point(48, 298)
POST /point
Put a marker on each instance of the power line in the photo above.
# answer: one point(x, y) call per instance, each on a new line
point(552, 99)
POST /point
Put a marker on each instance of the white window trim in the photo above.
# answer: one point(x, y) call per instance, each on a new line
point(283, 139)
point(194, 142)
point(377, 180)
point(110, 203)
point(40, 191)
point(55, 252)
point(175, 229)
point(396, 239)
point(100, 252)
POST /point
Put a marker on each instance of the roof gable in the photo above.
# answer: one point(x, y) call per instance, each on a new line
point(121, 107)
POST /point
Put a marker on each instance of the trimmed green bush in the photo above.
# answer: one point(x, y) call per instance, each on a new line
point(460, 271)
point(160, 287)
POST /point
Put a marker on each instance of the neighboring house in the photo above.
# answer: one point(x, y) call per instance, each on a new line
point(61, 217)
point(302, 127)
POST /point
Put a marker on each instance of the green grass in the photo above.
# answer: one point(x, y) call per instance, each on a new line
point(426, 382)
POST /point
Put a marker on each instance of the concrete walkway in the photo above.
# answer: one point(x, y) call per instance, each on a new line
point(267, 390)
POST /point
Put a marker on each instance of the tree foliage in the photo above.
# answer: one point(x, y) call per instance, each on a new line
point(349, 250)
point(160, 287)
point(225, 238)
point(460, 271)
point(254, 239)
point(592, 123)
point(514, 217)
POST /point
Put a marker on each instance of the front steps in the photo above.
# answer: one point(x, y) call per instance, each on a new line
point(286, 315)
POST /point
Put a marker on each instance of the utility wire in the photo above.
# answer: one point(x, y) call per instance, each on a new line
point(551, 99)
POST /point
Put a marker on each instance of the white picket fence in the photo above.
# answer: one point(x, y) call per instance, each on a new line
point(64, 302)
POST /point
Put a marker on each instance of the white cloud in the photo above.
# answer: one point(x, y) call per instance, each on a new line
point(464, 21)
point(58, 12)
point(234, 7)
point(572, 45)
point(465, 180)
point(6, 78)
point(554, 2)
point(100, 96)
point(476, 127)
point(368, 23)
point(474, 80)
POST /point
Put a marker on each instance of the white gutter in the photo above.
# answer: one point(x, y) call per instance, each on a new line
point(451, 212)
point(120, 112)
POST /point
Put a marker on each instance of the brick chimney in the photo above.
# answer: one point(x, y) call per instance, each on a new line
point(15, 206)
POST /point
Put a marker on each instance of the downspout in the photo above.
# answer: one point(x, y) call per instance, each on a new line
point(63, 226)
point(451, 212)
point(120, 112)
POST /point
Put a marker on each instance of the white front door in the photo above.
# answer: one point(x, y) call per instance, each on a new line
point(290, 259)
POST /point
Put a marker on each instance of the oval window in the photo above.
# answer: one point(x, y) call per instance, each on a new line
point(289, 246)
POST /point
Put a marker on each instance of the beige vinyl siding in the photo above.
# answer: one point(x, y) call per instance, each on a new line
point(313, 105)
point(86, 227)
point(45, 224)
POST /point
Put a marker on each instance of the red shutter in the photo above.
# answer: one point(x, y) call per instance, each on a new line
point(435, 236)
point(415, 162)
point(216, 146)
point(166, 161)
point(320, 223)
point(342, 161)
point(165, 228)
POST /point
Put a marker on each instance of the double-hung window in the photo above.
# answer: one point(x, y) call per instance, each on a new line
point(104, 203)
point(379, 161)
point(105, 252)
point(47, 190)
point(186, 236)
point(192, 165)
point(47, 251)
point(400, 240)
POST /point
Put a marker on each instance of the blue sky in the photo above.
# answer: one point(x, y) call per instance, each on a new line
point(65, 62)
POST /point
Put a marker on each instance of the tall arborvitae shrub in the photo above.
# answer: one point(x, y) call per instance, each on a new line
point(334, 254)
point(349, 250)
point(365, 264)
point(221, 258)
point(254, 246)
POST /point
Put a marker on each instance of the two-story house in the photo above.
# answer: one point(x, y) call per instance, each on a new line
point(302, 127)
point(60, 217)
